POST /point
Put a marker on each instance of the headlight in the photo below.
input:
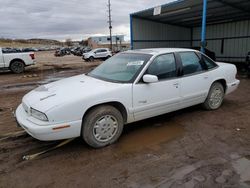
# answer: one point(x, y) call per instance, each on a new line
point(38, 115)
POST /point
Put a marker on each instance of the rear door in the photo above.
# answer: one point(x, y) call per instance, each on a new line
point(152, 99)
point(196, 80)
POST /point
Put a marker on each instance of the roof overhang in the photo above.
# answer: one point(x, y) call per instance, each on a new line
point(188, 13)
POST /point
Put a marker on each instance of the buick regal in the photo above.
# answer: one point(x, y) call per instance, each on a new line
point(128, 87)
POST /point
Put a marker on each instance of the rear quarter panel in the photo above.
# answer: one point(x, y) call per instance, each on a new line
point(226, 72)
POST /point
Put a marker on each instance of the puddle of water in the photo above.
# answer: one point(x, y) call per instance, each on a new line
point(148, 136)
point(242, 167)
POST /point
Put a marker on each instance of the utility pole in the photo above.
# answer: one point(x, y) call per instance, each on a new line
point(110, 24)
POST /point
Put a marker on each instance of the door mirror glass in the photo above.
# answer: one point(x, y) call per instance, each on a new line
point(147, 78)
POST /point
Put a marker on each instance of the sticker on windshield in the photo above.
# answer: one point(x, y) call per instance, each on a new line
point(135, 63)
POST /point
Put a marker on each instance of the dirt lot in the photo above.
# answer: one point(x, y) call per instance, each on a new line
point(188, 148)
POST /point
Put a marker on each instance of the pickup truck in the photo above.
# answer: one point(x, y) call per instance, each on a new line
point(16, 62)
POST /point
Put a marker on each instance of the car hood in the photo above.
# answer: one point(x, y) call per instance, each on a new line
point(48, 96)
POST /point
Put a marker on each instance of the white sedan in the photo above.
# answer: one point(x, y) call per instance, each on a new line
point(128, 87)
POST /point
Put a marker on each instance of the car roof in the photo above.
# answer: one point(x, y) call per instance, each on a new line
point(156, 51)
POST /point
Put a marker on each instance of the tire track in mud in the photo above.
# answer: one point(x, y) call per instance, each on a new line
point(15, 147)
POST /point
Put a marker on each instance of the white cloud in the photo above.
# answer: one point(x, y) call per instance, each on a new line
point(76, 19)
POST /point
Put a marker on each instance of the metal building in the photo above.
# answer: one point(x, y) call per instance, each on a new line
point(183, 23)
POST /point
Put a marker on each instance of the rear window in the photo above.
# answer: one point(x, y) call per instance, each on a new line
point(190, 62)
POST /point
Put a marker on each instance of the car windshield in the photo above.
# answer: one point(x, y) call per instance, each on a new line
point(92, 51)
point(122, 67)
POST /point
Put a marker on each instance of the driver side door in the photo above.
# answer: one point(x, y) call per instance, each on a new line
point(153, 99)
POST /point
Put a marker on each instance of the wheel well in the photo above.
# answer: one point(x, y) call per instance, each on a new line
point(13, 60)
point(224, 84)
point(117, 105)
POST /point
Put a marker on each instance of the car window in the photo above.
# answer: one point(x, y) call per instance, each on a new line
point(99, 51)
point(209, 63)
point(190, 63)
point(122, 67)
point(163, 67)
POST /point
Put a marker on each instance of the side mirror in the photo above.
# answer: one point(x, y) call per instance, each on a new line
point(148, 78)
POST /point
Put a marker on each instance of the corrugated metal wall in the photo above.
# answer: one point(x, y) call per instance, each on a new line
point(148, 34)
point(236, 38)
point(230, 41)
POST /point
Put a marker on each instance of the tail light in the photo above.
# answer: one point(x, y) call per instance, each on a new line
point(32, 56)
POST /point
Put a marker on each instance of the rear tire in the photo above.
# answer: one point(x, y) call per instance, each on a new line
point(17, 67)
point(102, 126)
point(215, 97)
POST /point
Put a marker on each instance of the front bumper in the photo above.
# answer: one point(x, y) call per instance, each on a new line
point(47, 132)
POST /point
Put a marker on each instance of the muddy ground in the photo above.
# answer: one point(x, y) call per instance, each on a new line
point(187, 148)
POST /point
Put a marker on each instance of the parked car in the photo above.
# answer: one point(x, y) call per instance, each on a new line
point(79, 51)
point(28, 50)
point(11, 50)
point(208, 52)
point(99, 53)
point(62, 52)
point(86, 50)
point(15, 61)
point(128, 87)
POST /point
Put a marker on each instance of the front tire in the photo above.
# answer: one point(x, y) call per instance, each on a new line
point(215, 97)
point(91, 59)
point(102, 126)
point(17, 67)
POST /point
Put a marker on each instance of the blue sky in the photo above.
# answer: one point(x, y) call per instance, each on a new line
point(76, 19)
